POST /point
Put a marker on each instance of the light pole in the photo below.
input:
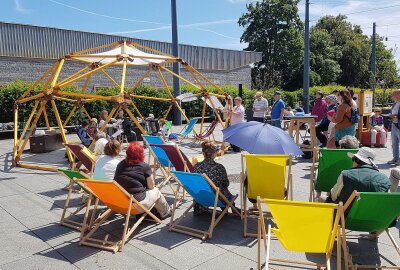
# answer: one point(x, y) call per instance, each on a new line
point(177, 120)
point(306, 74)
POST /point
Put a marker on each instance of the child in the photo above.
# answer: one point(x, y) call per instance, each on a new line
point(331, 130)
point(376, 122)
point(83, 135)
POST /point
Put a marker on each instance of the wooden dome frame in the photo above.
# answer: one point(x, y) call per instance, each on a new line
point(52, 90)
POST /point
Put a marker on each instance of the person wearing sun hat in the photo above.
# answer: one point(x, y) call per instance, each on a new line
point(363, 177)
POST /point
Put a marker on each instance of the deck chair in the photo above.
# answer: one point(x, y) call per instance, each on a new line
point(371, 212)
point(184, 134)
point(119, 201)
point(209, 131)
point(176, 157)
point(331, 163)
point(68, 221)
point(267, 177)
point(301, 227)
point(204, 192)
point(84, 155)
point(167, 127)
point(160, 159)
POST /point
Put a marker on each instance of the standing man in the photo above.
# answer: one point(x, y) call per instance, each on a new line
point(394, 117)
point(278, 110)
point(260, 107)
point(324, 124)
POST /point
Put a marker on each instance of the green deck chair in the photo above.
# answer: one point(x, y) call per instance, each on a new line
point(167, 127)
point(331, 163)
point(68, 221)
point(372, 212)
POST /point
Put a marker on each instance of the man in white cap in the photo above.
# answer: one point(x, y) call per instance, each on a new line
point(363, 177)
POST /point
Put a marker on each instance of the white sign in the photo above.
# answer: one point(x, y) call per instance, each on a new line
point(187, 97)
point(367, 103)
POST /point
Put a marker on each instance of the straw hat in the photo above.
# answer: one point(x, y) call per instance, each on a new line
point(365, 154)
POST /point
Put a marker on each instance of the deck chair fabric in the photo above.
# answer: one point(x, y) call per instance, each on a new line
point(119, 201)
point(177, 158)
point(372, 212)
point(204, 192)
point(83, 154)
point(208, 132)
point(160, 155)
point(331, 163)
point(301, 227)
point(72, 176)
point(189, 128)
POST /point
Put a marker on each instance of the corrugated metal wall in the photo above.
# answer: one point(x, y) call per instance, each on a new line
point(17, 40)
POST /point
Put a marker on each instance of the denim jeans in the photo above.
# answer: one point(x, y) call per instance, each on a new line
point(395, 142)
point(276, 123)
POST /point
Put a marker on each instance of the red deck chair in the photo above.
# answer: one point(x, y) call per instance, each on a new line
point(209, 131)
point(83, 154)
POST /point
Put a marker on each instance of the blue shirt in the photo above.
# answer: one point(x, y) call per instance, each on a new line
point(82, 134)
point(276, 109)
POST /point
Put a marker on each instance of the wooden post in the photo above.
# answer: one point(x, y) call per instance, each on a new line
point(28, 122)
point(203, 114)
point(135, 120)
point(15, 132)
point(168, 111)
point(69, 116)
point(60, 125)
point(140, 80)
point(46, 119)
point(86, 112)
point(123, 70)
point(110, 78)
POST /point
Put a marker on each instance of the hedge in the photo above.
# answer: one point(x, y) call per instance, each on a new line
point(10, 92)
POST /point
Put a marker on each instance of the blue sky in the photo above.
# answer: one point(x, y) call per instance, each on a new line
point(210, 23)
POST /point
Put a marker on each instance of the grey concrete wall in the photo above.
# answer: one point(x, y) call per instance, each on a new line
point(31, 69)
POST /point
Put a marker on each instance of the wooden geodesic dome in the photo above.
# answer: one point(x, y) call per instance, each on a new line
point(123, 54)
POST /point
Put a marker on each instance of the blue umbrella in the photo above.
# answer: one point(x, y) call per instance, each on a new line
point(259, 138)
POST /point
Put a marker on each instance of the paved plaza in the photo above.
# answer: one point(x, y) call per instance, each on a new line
point(31, 204)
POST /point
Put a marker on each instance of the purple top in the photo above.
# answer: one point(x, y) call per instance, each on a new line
point(376, 121)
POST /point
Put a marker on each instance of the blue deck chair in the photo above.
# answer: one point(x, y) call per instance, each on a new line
point(188, 129)
point(204, 192)
point(161, 160)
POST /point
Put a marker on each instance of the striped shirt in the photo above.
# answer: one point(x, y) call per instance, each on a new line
point(260, 105)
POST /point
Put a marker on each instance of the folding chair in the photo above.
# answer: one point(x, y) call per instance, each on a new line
point(117, 200)
point(208, 132)
point(371, 212)
point(184, 134)
point(267, 176)
point(84, 155)
point(160, 159)
point(301, 227)
point(331, 163)
point(204, 192)
point(72, 176)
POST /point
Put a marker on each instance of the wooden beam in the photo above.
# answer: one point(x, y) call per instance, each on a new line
point(151, 98)
point(57, 73)
point(165, 83)
point(111, 79)
point(136, 109)
point(180, 77)
point(134, 45)
point(140, 80)
point(62, 131)
point(37, 167)
point(86, 83)
point(80, 95)
point(168, 111)
point(116, 43)
point(28, 122)
point(37, 96)
point(15, 132)
point(135, 120)
point(46, 119)
point(123, 77)
point(69, 116)
point(86, 112)
point(75, 74)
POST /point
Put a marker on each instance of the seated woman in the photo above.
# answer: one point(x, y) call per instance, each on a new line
point(106, 164)
point(215, 171)
point(101, 141)
point(83, 135)
point(136, 177)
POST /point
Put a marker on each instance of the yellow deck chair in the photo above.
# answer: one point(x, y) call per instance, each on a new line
point(267, 177)
point(302, 227)
point(117, 200)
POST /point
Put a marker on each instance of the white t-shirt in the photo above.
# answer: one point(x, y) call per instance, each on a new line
point(105, 168)
point(330, 129)
point(354, 104)
point(260, 105)
point(237, 118)
point(99, 147)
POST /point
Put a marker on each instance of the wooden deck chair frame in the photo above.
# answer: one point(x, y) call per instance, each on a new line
point(185, 129)
point(156, 164)
point(207, 133)
point(264, 238)
point(83, 152)
point(245, 214)
point(352, 198)
point(86, 239)
point(66, 220)
point(204, 235)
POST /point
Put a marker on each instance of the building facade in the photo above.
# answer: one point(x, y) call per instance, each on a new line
point(27, 51)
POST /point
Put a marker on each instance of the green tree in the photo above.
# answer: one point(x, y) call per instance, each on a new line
point(274, 28)
point(387, 73)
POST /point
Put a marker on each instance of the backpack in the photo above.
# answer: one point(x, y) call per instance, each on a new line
point(355, 116)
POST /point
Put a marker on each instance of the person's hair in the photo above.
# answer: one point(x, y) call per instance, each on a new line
point(349, 142)
point(85, 123)
point(346, 96)
point(238, 98)
point(377, 109)
point(100, 135)
point(334, 92)
point(358, 161)
point(259, 93)
point(122, 113)
point(322, 94)
point(134, 153)
point(288, 108)
point(208, 149)
point(104, 112)
point(112, 148)
point(161, 121)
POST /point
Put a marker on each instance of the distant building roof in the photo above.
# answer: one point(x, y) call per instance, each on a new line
point(28, 41)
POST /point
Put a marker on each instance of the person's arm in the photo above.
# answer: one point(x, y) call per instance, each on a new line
point(340, 114)
point(282, 113)
point(84, 137)
point(150, 182)
point(337, 188)
point(223, 176)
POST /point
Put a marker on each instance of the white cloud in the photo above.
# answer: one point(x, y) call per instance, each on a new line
point(20, 8)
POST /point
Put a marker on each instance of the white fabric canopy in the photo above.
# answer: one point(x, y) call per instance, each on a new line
point(139, 57)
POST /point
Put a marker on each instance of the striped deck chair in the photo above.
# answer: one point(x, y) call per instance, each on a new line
point(267, 176)
point(69, 221)
point(301, 227)
point(207, 133)
point(204, 192)
point(84, 155)
point(119, 201)
point(371, 212)
point(184, 134)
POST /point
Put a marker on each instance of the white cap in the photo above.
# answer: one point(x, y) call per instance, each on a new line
point(365, 154)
